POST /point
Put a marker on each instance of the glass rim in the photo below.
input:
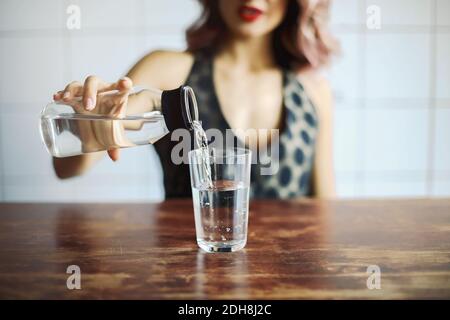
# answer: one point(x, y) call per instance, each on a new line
point(238, 152)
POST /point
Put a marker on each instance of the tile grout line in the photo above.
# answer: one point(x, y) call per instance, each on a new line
point(2, 169)
point(67, 57)
point(361, 177)
point(432, 104)
point(138, 13)
point(143, 30)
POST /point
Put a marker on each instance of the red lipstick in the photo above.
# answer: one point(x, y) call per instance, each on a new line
point(249, 14)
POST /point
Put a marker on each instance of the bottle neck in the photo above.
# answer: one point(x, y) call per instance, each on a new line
point(179, 108)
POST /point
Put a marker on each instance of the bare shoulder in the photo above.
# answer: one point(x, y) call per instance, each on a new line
point(162, 69)
point(319, 90)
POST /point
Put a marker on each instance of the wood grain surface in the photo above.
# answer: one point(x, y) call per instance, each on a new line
point(303, 249)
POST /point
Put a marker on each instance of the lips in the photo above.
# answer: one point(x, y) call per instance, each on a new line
point(249, 14)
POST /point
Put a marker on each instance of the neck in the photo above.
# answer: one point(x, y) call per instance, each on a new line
point(254, 54)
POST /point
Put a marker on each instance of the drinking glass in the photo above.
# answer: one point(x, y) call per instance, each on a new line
point(220, 180)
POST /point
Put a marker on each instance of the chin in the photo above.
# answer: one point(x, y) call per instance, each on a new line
point(247, 31)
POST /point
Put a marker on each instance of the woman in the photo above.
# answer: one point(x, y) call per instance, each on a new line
point(252, 64)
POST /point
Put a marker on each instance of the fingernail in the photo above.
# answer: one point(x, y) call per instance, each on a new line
point(90, 104)
point(124, 81)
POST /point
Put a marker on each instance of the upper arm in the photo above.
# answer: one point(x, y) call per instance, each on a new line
point(319, 90)
point(164, 70)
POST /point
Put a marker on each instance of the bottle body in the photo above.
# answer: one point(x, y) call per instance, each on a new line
point(69, 130)
point(68, 135)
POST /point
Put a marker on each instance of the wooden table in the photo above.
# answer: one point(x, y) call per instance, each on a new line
point(298, 249)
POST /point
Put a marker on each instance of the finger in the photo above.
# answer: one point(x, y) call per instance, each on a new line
point(72, 90)
point(121, 104)
point(124, 84)
point(90, 92)
point(114, 154)
point(94, 85)
point(58, 96)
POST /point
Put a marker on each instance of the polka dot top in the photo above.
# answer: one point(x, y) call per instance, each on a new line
point(296, 144)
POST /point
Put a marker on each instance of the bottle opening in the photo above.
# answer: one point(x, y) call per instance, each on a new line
point(179, 108)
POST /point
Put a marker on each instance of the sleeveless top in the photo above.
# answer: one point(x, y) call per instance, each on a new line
point(297, 137)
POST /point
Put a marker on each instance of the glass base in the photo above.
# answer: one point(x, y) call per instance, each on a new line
point(229, 246)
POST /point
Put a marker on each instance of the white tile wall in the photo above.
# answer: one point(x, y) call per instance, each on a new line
point(346, 12)
point(442, 144)
point(26, 15)
point(1, 176)
point(31, 69)
point(109, 57)
point(443, 12)
point(398, 66)
point(347, 127)
point(174, 16)
point(107, 14)
point(396, 140)
point(349, 184)
point(345, 73)
point(443, 68)
point(394, 185)
point(404, 12)
point(164, 42)
point(383, 82)
point(441, 186)
point(37, 188)
point(24, 153)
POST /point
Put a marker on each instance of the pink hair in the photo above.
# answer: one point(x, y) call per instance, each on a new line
point(301, 40)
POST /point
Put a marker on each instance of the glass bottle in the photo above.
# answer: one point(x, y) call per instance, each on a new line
point(67, 129)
